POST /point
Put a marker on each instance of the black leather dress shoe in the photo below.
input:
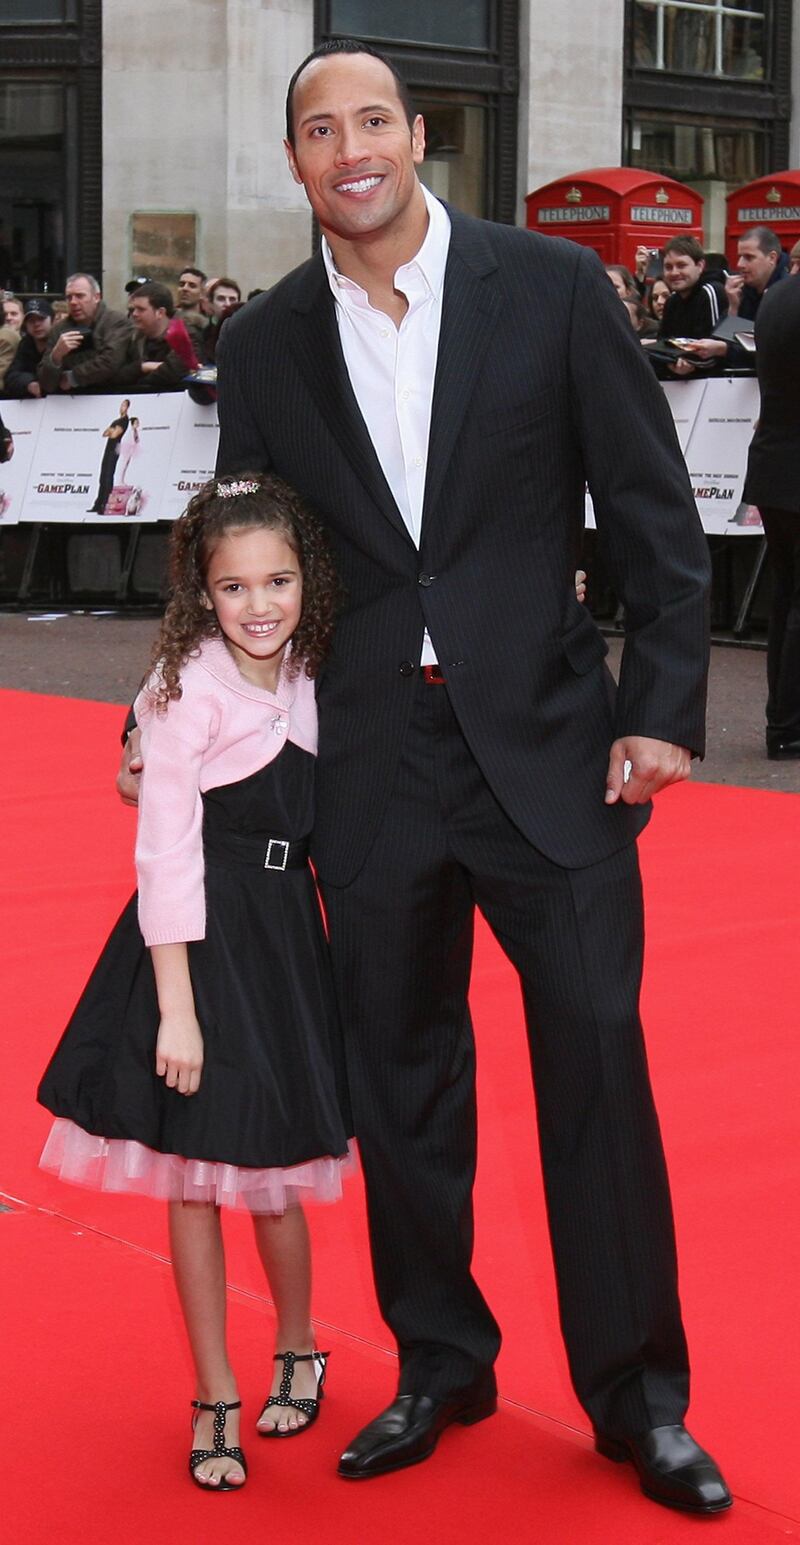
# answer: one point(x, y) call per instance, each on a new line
point(409, 1430)
point(784, 750)
point(672, 1468)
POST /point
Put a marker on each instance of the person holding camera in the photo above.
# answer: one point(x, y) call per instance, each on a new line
point(87, 349)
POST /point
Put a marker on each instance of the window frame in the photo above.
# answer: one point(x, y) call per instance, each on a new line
point(492, 74)
point(647, 90)
point(71, 53)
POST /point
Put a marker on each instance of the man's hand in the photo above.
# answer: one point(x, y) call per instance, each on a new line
point(65, 345)
point(654, 764)
point(682, 367)
point(734, 284)
point(706, 348)
point(179, 1052)
point(149, 365)
point(33, 389)
point(130, 770)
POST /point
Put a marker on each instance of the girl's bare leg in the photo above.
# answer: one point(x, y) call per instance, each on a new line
point(198, 1262)
point(285, 1251)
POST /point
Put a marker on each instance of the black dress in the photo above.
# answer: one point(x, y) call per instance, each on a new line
point(270, 1122)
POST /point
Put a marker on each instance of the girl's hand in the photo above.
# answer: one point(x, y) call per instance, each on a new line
point(179, 1052)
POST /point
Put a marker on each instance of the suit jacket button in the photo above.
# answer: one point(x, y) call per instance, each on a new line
point(426, 579)
point(406, 668)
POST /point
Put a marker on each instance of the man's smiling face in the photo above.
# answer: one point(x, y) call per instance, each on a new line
point(354, 151)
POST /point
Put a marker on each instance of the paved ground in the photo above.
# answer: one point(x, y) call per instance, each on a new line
point(103, 656)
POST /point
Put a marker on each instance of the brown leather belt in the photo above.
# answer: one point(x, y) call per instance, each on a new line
point(432, 674)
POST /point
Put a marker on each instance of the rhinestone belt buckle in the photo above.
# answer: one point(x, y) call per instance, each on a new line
point(277, 842)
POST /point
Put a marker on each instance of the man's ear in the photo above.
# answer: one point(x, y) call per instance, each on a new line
point(418, 139)
point(290, 156)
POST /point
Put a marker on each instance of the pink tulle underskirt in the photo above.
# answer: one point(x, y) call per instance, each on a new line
point(119, 1164)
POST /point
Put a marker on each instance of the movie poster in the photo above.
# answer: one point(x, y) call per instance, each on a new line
point(193, 456)
point(22, 420)
point(716, 455)
point(103, 458)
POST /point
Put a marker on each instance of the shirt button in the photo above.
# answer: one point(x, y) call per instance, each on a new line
point(426, 579)
point(384, 332)
point(406, 668)
point(417, 462)
point(405, 395)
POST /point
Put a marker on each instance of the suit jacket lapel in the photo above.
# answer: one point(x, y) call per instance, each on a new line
point(471, 302)
point(319, 355)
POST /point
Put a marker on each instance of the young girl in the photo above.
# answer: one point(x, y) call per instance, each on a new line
point(203, 1064)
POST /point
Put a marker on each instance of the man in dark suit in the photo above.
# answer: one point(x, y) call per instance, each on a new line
point(440, 389)
point(773, 483)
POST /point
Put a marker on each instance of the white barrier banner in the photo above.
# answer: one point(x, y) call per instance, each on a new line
point(102, 458)
point(714, 421)
point(22, 420)
point(192, 456)
point(716, 455)
point(685, 399)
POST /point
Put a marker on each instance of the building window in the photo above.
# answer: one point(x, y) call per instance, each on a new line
point(456, 161)
point(699, 148)
point(50, 141)
point(460, 59)
point(446, 24)
point(32, 197)
point(700, 37)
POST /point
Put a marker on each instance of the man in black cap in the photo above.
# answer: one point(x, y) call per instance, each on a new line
point(37, 320)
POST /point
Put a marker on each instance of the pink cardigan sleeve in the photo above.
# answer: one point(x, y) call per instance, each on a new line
point(169, 845)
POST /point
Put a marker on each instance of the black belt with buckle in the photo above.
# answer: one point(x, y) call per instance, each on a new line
point(260, 852)
point(432, 674)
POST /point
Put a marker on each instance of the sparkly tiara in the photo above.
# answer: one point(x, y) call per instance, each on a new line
point(230, 490)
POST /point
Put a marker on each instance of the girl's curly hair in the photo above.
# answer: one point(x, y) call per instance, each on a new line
point(251, 500)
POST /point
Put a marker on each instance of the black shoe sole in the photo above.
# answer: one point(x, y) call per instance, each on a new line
point(619, 1453)
point(466, 1418)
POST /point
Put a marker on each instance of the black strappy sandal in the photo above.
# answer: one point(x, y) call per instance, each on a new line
point(309, 1408)
point(219, 1451)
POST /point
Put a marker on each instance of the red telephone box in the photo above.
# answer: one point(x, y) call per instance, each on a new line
point(772, 201)
point(616, 209)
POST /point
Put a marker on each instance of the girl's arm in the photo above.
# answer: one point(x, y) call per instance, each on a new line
point(179, 1048)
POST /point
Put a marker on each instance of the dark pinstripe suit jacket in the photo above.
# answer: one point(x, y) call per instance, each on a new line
point(540, 385)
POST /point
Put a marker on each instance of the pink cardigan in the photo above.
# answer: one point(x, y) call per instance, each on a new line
point(220, 731)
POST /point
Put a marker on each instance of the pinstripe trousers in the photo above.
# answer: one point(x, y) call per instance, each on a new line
point(401, 938)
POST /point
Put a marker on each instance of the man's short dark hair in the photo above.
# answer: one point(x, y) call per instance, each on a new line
point(158, 295)
point(346, 46)
point(189, 269)
point(230, 284)
point(766, 238)
point(685, 246)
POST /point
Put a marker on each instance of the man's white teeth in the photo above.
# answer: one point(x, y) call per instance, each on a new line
point(362, 186)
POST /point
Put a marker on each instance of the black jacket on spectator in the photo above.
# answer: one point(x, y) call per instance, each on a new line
point(694, 314)
point(773, 468)
point(94, 367)
point(24, 367)
point(168, 378)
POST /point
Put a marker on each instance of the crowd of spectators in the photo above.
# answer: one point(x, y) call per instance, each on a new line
point(678, 298)
point(158, 343)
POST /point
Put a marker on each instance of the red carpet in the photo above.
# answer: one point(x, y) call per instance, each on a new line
point(96, 1378)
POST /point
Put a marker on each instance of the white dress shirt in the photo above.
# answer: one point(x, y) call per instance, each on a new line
point(392, 369)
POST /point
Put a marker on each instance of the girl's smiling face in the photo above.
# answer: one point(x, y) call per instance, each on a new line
point(255, 585)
